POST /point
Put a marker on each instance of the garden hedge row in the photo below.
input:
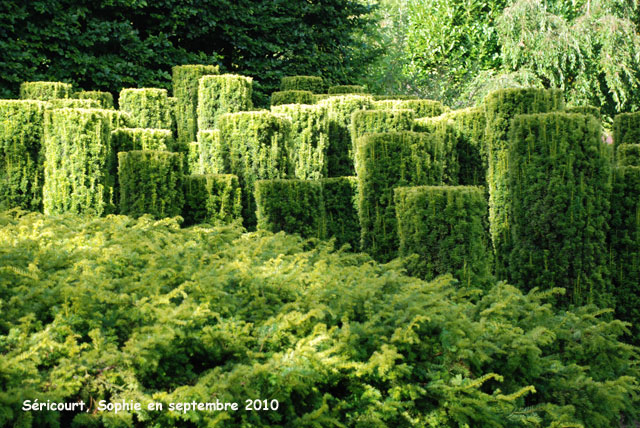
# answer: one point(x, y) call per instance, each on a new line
point(445, 135)
point(322, 209)
point(628, 155)
point(626, 129)
point(21, 156)
point(558, 206)
point(151, 182)
point(377, 121)
point(148, 107)
point(105, 99)
point(211, 198)
point(253, 147)
point(500, 107)
point(385, 161)
point(45, 91)
point(340, 110)
point(346, 89)
point(302, 83)
point(470, 123)
point(185, 79)
point(217, 95)
point(128, 139)
point(309, 141)
point(445, 227)
point(72, 103)
point(292, 97)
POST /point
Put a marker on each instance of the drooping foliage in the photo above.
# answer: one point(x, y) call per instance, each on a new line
point(148, 107)
point(444, 227)
point(558, 207)
point(309, 141)
point(500, 107)
point(313, 84)
point(340, 110)
point(229, 315)
point(150, 183)
point(217, 95)
point(21, 154)
point(185, 79)
point(292, 97)
point(385, 161)
point(253, 147)
point(79, 170)
point(211, 198)
point(45, 91)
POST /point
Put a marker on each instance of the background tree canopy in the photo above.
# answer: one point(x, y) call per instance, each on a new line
point(111, 44)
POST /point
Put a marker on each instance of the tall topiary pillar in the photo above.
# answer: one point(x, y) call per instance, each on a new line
point(148, 107)
point(217, 95)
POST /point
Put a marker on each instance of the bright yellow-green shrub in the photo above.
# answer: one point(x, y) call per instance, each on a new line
point(128, 139)
point(150, 183)
point(72, 103)
point(21, 154)
point(185, 88)
point(376, 121)
point(217, 95)
point(105, 99)
point(148, 107)
point(45, 91)
point(292, 97)
point(314, 84)
point(346, 89)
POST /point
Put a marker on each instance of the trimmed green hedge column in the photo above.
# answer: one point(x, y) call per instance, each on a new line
point(211, 198)
point(346, 89)
point(217, 95)
point(593, 111)
point(253, 147)
point(21, 154)
point(625, 245)
point(309, 140)
point(105, 99)
point(185, 80)
point(471, 125)
point(376, 121)
point(148, 107)
point(444, 226)
point(292, 97)
point(302, 83)
point(320, 209)
point(628, 155)
point(128, 139)
point(45, 90)
point(340, 198)
point(293, 206)
point(386, 161)
point(78, 167)
point(211, 159)
point(626, 129)
point(500, 107)
point(558, 206)
point(150, 183)
point(340, 110)
point(441, 130)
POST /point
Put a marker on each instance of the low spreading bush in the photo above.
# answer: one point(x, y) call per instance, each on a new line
point(334, 338)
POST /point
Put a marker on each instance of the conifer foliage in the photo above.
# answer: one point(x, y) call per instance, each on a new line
point(148, 107)
point(45, 91)
point(212, 198)
point(558, 206)
point(217, 95)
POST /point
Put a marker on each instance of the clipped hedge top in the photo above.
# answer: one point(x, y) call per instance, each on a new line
point(306, 83)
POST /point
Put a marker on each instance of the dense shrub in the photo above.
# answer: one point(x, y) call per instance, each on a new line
point(340, 200)
point(441, 130)
point(593, 111)
point(624, 241)
point(309, 142)
point(105, 99)
point(72, 103)
point(377, 121)
point(500, 107)
point(211, 198)
point(292, 97)
point(320, 97)
point(340, 110)
point(394, 97)
point(21, 155)
point(302, 83)
point(628, 155)
point(558, 206)
point(337, 339)
point(217, 95)
point(45, 90)
point(150, 183)
point(323, 209)
point(292, 206)
point(346, 89)
point(128, 139)
point(210, 158)
point(148, 107)
point(79, 175)
point(471, 148)
point(444, 226)
point(386, 161)
point(185, 88)
point(626, 129)
point(423, 108)
point(253, 147)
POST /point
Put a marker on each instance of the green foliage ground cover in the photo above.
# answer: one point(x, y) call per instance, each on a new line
point(115, 308)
